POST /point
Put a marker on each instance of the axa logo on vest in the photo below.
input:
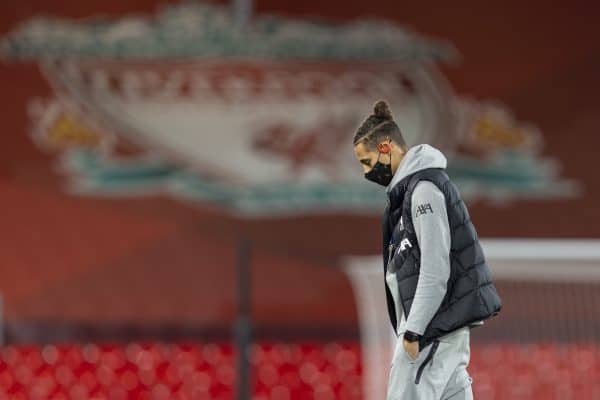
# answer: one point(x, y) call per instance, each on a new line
point(423, 209)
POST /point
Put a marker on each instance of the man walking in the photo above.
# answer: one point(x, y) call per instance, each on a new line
point(438, 285)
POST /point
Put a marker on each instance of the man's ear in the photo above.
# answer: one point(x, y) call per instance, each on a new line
point(384, 147)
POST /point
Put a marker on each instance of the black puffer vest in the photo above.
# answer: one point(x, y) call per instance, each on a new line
point(471, 295)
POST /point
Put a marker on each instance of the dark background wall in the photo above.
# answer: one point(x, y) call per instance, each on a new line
point(68, 259)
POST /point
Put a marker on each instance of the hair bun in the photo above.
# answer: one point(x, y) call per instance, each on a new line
point(382, 110)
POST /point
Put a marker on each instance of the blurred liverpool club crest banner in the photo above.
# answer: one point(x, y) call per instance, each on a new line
point(258, 121)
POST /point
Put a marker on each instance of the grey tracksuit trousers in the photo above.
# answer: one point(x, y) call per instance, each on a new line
point(444, 376)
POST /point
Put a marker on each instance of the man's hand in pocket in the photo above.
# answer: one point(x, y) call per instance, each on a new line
point(411, 348)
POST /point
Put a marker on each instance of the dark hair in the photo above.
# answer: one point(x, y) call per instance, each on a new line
point(378, 126)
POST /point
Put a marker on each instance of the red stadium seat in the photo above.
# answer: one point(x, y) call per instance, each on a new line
point(157, 371)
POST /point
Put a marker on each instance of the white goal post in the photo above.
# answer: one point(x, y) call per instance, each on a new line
point(553, 260)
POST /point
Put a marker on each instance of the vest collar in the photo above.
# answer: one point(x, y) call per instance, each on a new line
point(396, 194)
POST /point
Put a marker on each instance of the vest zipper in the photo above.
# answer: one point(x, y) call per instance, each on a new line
point(429, 357)
point(390, 255)
point(390, 252)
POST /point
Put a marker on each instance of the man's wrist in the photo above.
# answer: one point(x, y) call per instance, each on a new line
point(411, 336)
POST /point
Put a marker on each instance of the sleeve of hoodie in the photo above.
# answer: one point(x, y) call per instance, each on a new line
point(430, 220)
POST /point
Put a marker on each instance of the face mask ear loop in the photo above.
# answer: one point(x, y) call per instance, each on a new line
point(379, 155)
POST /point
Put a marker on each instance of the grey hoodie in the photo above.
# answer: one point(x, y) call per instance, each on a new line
point(433, 235)
point(416, 159)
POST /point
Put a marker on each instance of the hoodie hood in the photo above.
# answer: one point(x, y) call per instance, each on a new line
point(418, 158)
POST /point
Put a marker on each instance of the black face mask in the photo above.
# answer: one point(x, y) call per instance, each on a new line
point(381, 173)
